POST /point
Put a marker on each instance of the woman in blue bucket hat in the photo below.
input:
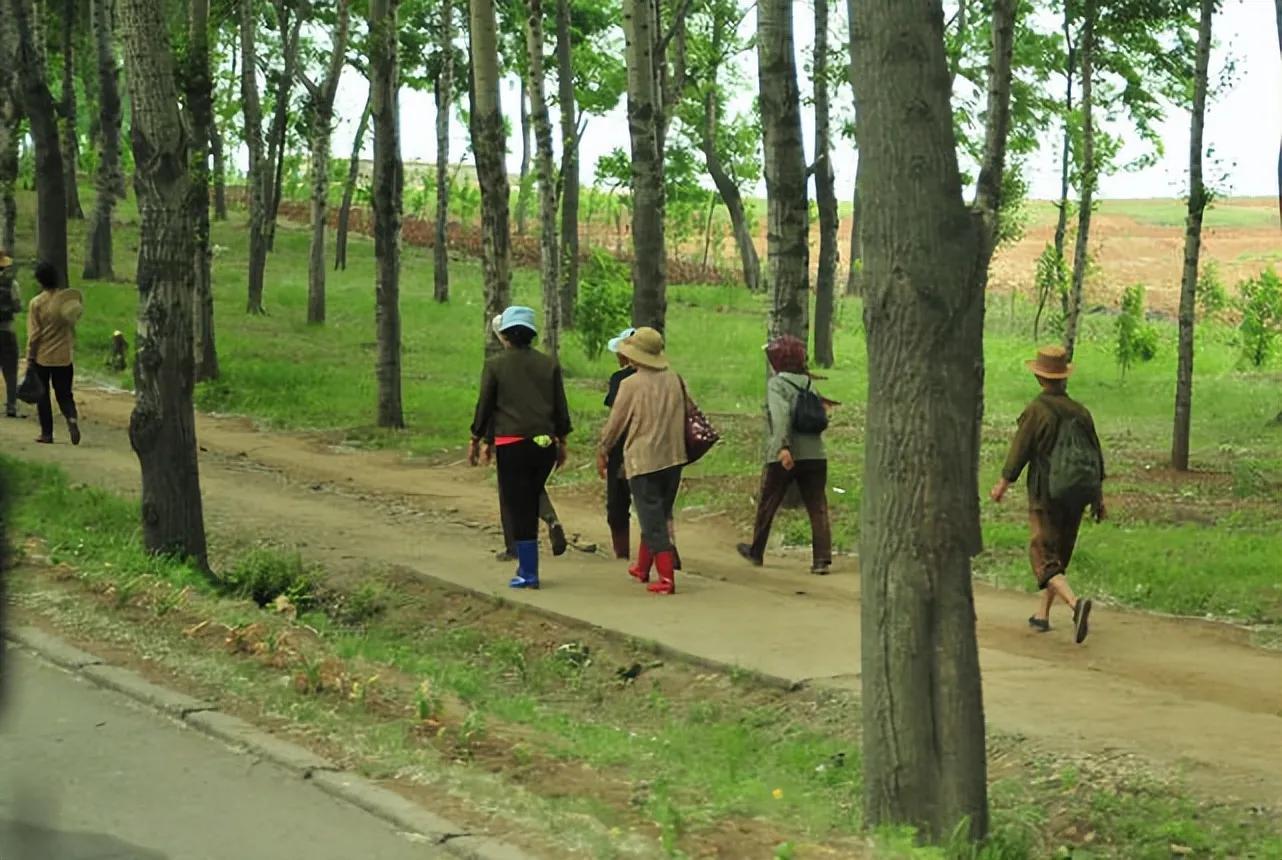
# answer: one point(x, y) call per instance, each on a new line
point(522, 402)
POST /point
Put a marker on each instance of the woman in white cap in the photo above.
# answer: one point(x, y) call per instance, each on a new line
point(51, 340)
point(618, 497)
point(649, 418)
point(547, 513)
point(522, 404)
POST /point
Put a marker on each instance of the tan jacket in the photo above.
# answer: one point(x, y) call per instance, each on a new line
point(51, 327)
point(651, 411)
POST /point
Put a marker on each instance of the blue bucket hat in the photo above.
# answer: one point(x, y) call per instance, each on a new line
point(613, 345)
point(518, 316)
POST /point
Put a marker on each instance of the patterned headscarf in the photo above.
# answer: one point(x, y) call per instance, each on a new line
point(787, 354)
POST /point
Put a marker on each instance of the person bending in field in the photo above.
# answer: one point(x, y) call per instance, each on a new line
point(1058, 444)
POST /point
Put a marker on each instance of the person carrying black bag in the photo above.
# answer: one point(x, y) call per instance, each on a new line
point(10, 305)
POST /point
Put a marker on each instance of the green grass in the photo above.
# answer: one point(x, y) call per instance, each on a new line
point(1223, 214)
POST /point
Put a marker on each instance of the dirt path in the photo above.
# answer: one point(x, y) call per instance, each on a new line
point(1189, 696)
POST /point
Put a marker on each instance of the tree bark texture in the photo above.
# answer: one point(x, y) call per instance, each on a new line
point(546, 171)
point(730, 195)
point(1192, 246)
point(649, 255)
point(926, 260)
point(110, 184)
point(489, 143)
point(162, 428)
point(20, 29)
point(388, 185)
point(220, 171)
point(570, 189)
point(788, 210)
point(825, 195)
point(523, 179)
point(1065, 162)
point(67, 110)
point(349, 185)
point(854, 281)
point(256, 182)
point(321, 133)
point(200, 110)
point(444, 101)
point(290, 32)
point(1081, 251)
point(10, 134)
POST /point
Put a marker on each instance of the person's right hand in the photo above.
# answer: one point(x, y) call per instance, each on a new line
point(602, 466)
point(1100, 511)
point(785, 459)
point(474, 452)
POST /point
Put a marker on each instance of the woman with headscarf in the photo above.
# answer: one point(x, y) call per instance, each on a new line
point(522, 403)
point(51, 340)
point(791, 455)
point(648, 417)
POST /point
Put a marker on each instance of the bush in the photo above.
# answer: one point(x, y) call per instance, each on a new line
point(605, 303)
point(1212, 299)
point(1136, 339)
point(1261, 324)
point(264, 574)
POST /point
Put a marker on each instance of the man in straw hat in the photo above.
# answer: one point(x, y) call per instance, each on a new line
point(1058, 444)
point(10, 305)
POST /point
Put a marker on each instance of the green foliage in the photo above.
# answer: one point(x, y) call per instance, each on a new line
point(1261, 325)
point(1051, 283)
point(605, 303)
point(263, 574)
point(1136, 339)
point(1212, 298)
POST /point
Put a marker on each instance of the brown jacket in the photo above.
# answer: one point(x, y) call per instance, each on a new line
point(651, 411)
point(51, 327)
point(1035, 439)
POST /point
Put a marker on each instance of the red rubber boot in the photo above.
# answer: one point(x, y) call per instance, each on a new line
point(667, 583)
point(641, 570)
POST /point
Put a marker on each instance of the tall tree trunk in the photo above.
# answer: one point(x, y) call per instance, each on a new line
point(220, 171)
point(788, 210)
point(523, 184)
point(20, 28)
point(349, 185)
point(825, 195)
point(70, 132)
point(388, 185)
point(551, 335)
point(162, 429)
point(854, 279)
point(489, 143)
point(10, 134)
point(257, 177)
point(278, 135)
point(444, 102)
point(200, 111)
point(649, 256)
point(1081, 252)
point(570, 190)
point(1279, 16)
point(1065, 166)
point(729, 191)
point(110, 179)
point(926, 263)
point(322, 129)
point(1192, 247)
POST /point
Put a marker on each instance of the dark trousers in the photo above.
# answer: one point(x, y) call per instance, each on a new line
point(523, 468)
point(655, 495)
point(547, 513)
point(618, 493)
point(9, 367)
point(811, 478)
point(59, 380)
point(1052, 537)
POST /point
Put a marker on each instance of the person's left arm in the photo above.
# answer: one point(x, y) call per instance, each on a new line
point(483, 418)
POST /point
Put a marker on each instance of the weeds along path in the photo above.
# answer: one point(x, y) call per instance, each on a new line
point(1192, 698)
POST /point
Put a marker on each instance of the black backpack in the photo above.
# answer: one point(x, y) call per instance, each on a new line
point(808, 414)
point(1075, 462)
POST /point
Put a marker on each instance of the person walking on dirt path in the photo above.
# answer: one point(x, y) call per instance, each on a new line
point(795, 420)
point(522, 403)
point(618, 497)
point(648, 417)
point(547, 513)
point(1058, 444)
point(51, 339)
point(10, 306)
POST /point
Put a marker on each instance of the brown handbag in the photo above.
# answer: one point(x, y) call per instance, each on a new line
point(700, 434)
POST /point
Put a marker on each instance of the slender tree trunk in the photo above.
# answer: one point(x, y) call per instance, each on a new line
point(489, 143)
point(729, 191)
point(1192, 247)
point(444, 100)
point(523, 185)
point(278, 135)
point(535, 43)
point(322, 129)
point(257, 177)
point(19, 27)
point(349, 185)
point(388, 185)
point(649, 256)
point(854, 279)
point(1065, 166)
point(1081, 253)
point(70, 132)
point(788, 231)
point(10, 132)
point(162, 429)
point(926, 262)
point(220, 171)
point(1279, 16)
point(110, 179)
point(825, 195)
point(570, 190)
point(200, 111)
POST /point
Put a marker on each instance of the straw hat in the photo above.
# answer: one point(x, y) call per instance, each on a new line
point(645, 348)
point(1051, 363)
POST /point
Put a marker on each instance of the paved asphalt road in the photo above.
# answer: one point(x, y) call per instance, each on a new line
point(87, 775)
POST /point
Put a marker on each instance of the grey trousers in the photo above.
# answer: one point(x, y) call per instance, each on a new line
point(654, 496)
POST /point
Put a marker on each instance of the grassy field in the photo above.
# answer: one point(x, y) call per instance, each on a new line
point(1205, 543)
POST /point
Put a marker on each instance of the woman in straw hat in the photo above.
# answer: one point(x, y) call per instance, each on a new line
point(1058, 444)
point(649, 416)
point(51, 340)
point(522, 407)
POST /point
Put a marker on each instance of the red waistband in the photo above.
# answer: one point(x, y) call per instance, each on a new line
point(507, 440)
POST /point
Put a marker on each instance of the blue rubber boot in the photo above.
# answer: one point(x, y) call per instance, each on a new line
point(527, 573)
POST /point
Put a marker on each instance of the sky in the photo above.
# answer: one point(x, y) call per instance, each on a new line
point(1243, 123)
